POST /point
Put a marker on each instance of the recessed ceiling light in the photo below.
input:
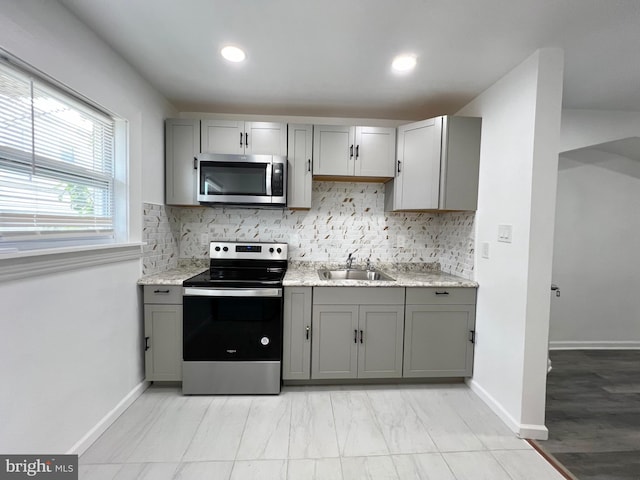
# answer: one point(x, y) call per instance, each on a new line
point(233, 54)
point(404, 63)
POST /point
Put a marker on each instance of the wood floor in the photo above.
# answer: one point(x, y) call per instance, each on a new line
point(593, 413)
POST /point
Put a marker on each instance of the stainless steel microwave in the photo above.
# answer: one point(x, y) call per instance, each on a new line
point(259, 180)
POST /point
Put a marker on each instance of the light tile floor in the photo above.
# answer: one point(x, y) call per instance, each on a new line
point(428, 432)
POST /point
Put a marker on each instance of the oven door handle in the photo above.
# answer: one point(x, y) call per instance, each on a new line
point(232, 292)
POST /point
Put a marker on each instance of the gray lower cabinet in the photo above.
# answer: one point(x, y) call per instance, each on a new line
point(296, 342)
point(163, 332)
point(439, 332)
point(357, 332)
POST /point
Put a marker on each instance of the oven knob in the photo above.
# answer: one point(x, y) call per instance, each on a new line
point(226, 249)
point(264, 341)
point(217, 249)
point(279, 250)
point(271, 250)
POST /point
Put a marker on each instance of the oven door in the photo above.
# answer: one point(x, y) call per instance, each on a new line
point(232, 324)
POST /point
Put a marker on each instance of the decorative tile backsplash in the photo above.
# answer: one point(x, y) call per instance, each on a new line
point(344, 218)
point(161, 225)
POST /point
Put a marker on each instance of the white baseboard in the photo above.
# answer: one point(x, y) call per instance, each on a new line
point(593, 345)
point(522, 430)
point(92, 435)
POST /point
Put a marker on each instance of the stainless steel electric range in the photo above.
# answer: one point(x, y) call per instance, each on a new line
point(232, 321)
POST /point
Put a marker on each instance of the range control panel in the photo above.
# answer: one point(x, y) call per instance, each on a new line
point(248, 251)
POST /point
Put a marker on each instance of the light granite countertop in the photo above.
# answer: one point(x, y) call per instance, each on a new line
point(175, 276)
point(306, 275)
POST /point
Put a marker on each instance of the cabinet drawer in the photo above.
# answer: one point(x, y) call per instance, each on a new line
point(358, 295)
point(441, 296)
point(163, 294)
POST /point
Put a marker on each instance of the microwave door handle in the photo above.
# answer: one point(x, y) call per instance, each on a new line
point(269, 177)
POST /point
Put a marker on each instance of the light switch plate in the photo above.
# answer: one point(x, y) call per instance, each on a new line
point(505, 233)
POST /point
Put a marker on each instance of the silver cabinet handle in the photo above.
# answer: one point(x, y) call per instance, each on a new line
point(309, 165)
point(232, 292)
point(307, 329)
point(361, 336)
point(355, 336)
point(442, 293)
point(164, 292)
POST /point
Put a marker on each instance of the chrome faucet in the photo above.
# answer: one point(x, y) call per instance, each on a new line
point(350, 260)
point(369, 266)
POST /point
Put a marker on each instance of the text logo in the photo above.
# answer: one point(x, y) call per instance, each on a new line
point(50, 467)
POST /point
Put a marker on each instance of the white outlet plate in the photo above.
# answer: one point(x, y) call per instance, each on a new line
point(484, 249)
point(505, 233)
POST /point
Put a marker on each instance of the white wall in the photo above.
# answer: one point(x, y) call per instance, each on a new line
point(584, 128)
point(596, 253)
point(518, 170)
point(70, 348)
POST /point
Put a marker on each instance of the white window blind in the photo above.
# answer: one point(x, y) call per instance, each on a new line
point(56, 162)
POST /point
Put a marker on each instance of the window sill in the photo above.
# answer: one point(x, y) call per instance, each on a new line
point(15, 265)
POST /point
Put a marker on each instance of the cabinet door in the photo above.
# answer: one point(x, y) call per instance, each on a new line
point(334, 346)
point(163, 351)
point(265, 138)
point(182, 144)
point(460, 163)
point(380, 338)
point(375, 151)
point(333, 150)
point(296, 354)
point(223, 136)
point(417, 183)
point(299, 174)
point(438, 340)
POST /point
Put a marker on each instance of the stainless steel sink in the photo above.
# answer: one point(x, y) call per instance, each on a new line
point(353, 274)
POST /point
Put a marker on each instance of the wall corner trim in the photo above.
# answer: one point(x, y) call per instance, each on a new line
point(99, 428)
point(595, 345)
point(534, 432)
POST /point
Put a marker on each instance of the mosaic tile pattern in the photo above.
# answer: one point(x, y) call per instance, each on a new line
point(160, 233)
point(344, 218)
point(456, 243)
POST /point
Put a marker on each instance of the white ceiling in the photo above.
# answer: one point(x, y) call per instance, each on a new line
point(332, 57)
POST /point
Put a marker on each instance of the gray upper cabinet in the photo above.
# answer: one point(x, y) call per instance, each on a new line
point(345, 151)
point(300, 175)
point(437, 165)
point(182, 144)
point(239, 137)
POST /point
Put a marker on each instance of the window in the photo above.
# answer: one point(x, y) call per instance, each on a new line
point(56, 164)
